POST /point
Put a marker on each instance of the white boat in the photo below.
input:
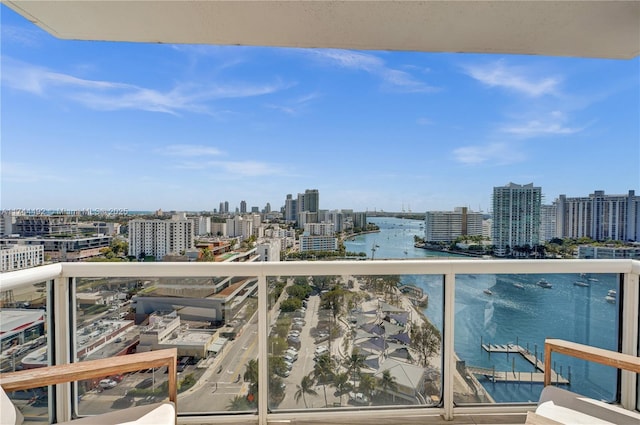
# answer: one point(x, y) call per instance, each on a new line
point(488, 292)
point(518, 285)
point(611, 296)
point(580, 283)
point(544, 284)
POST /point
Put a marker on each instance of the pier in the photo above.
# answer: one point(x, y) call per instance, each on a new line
point(536, 376)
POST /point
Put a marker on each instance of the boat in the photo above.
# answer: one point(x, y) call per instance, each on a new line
point(488, 292)
point(611, 296)
point(580, 283)
point(544, 284)
point(592, 279)
point(518, 285)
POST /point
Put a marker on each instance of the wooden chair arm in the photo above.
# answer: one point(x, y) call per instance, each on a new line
point(51, 375)
point(586, 352)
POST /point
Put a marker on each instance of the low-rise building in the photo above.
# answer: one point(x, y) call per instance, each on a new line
point(20, 257)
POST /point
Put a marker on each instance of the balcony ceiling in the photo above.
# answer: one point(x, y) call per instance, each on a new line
point(606, 29)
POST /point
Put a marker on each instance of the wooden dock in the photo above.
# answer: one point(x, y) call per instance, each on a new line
point(536, 376)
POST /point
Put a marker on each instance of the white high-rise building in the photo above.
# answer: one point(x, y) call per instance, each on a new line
point(516, 217)
point(161, 237)
point(547, 222)
point(599, 217)
point(446, 226)
point(269, 249)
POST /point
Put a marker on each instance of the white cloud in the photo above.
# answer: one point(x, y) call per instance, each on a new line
point(295, 106)
point(496, 153)
point(553, 124)
point(513, 78)
point(188, 150)
point(108, 95)
point(233, 169)
point(393, 79)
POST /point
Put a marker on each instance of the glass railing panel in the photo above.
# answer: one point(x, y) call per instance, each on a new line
point(502, 321)
point(211, 321)
point(354, 341)
point(23, 345)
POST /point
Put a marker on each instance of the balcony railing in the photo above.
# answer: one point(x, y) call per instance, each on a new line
point(475, 348)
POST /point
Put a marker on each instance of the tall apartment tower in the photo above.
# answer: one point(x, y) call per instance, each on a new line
point(290, 208)
point(599, 217)
point(516, 216)
point(309, 201)
point(548, 225)
point(161, 237)
point(446, 226)
point(226, 207)
point(243, 207)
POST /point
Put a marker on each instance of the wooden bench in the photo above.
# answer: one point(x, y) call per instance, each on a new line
point(91, 369)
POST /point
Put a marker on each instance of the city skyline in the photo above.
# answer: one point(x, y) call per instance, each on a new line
point(88, 125)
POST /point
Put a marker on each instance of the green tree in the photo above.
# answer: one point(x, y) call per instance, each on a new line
point(342, 384)
point(305, 387)
point(323, 372)
point(426, 341)
point(388, 383)
point(251, 376)
point(238, 403)
point(354, 363)
point(367, 385)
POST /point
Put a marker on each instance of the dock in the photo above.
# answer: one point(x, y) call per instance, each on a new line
point(536, 376)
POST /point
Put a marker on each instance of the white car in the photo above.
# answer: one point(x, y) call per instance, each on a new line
point(107, 383)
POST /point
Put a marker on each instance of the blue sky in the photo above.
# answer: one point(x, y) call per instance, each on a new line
point(184, 127)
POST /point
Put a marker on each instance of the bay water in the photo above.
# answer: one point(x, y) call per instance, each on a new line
point(518, 311)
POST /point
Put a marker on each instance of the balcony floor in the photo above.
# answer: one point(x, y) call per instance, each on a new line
point(344, 419)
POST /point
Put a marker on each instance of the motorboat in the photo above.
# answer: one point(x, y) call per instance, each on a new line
point(544, 284)
point(488, 292)
point(611, 296)
point(580, 283)
point(518, 285)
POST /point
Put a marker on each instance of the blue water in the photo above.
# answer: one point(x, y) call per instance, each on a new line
point(512, 315)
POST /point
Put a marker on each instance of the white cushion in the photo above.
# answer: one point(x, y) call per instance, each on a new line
point(567, 416)
point(9, 413)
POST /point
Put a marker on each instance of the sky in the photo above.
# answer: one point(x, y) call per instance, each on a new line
point(102, 125)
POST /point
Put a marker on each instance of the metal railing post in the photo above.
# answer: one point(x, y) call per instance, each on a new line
point(629, 321)
point(263, 357)
point(448, 346)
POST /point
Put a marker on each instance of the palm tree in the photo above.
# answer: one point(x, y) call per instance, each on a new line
point(305, 387)
point(388, 383)
point(341, 382)
point(354, 363)
point(323, 372)
point(251, 375)
point(367, 385)
point(238, 403)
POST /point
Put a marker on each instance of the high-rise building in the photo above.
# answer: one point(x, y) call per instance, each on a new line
point(226, 207)
point(243, 207)
point(267, 208)
point(309, 200)
point(447, 226)
point(516, 217)
point(290, 208)
point(599, 217)
point(160, 237)
point(548, 219)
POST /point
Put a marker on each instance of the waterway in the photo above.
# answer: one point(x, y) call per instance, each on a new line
point(524, 314)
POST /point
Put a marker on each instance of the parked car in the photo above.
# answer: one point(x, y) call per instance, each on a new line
point(320, 350)
point(107, 383)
